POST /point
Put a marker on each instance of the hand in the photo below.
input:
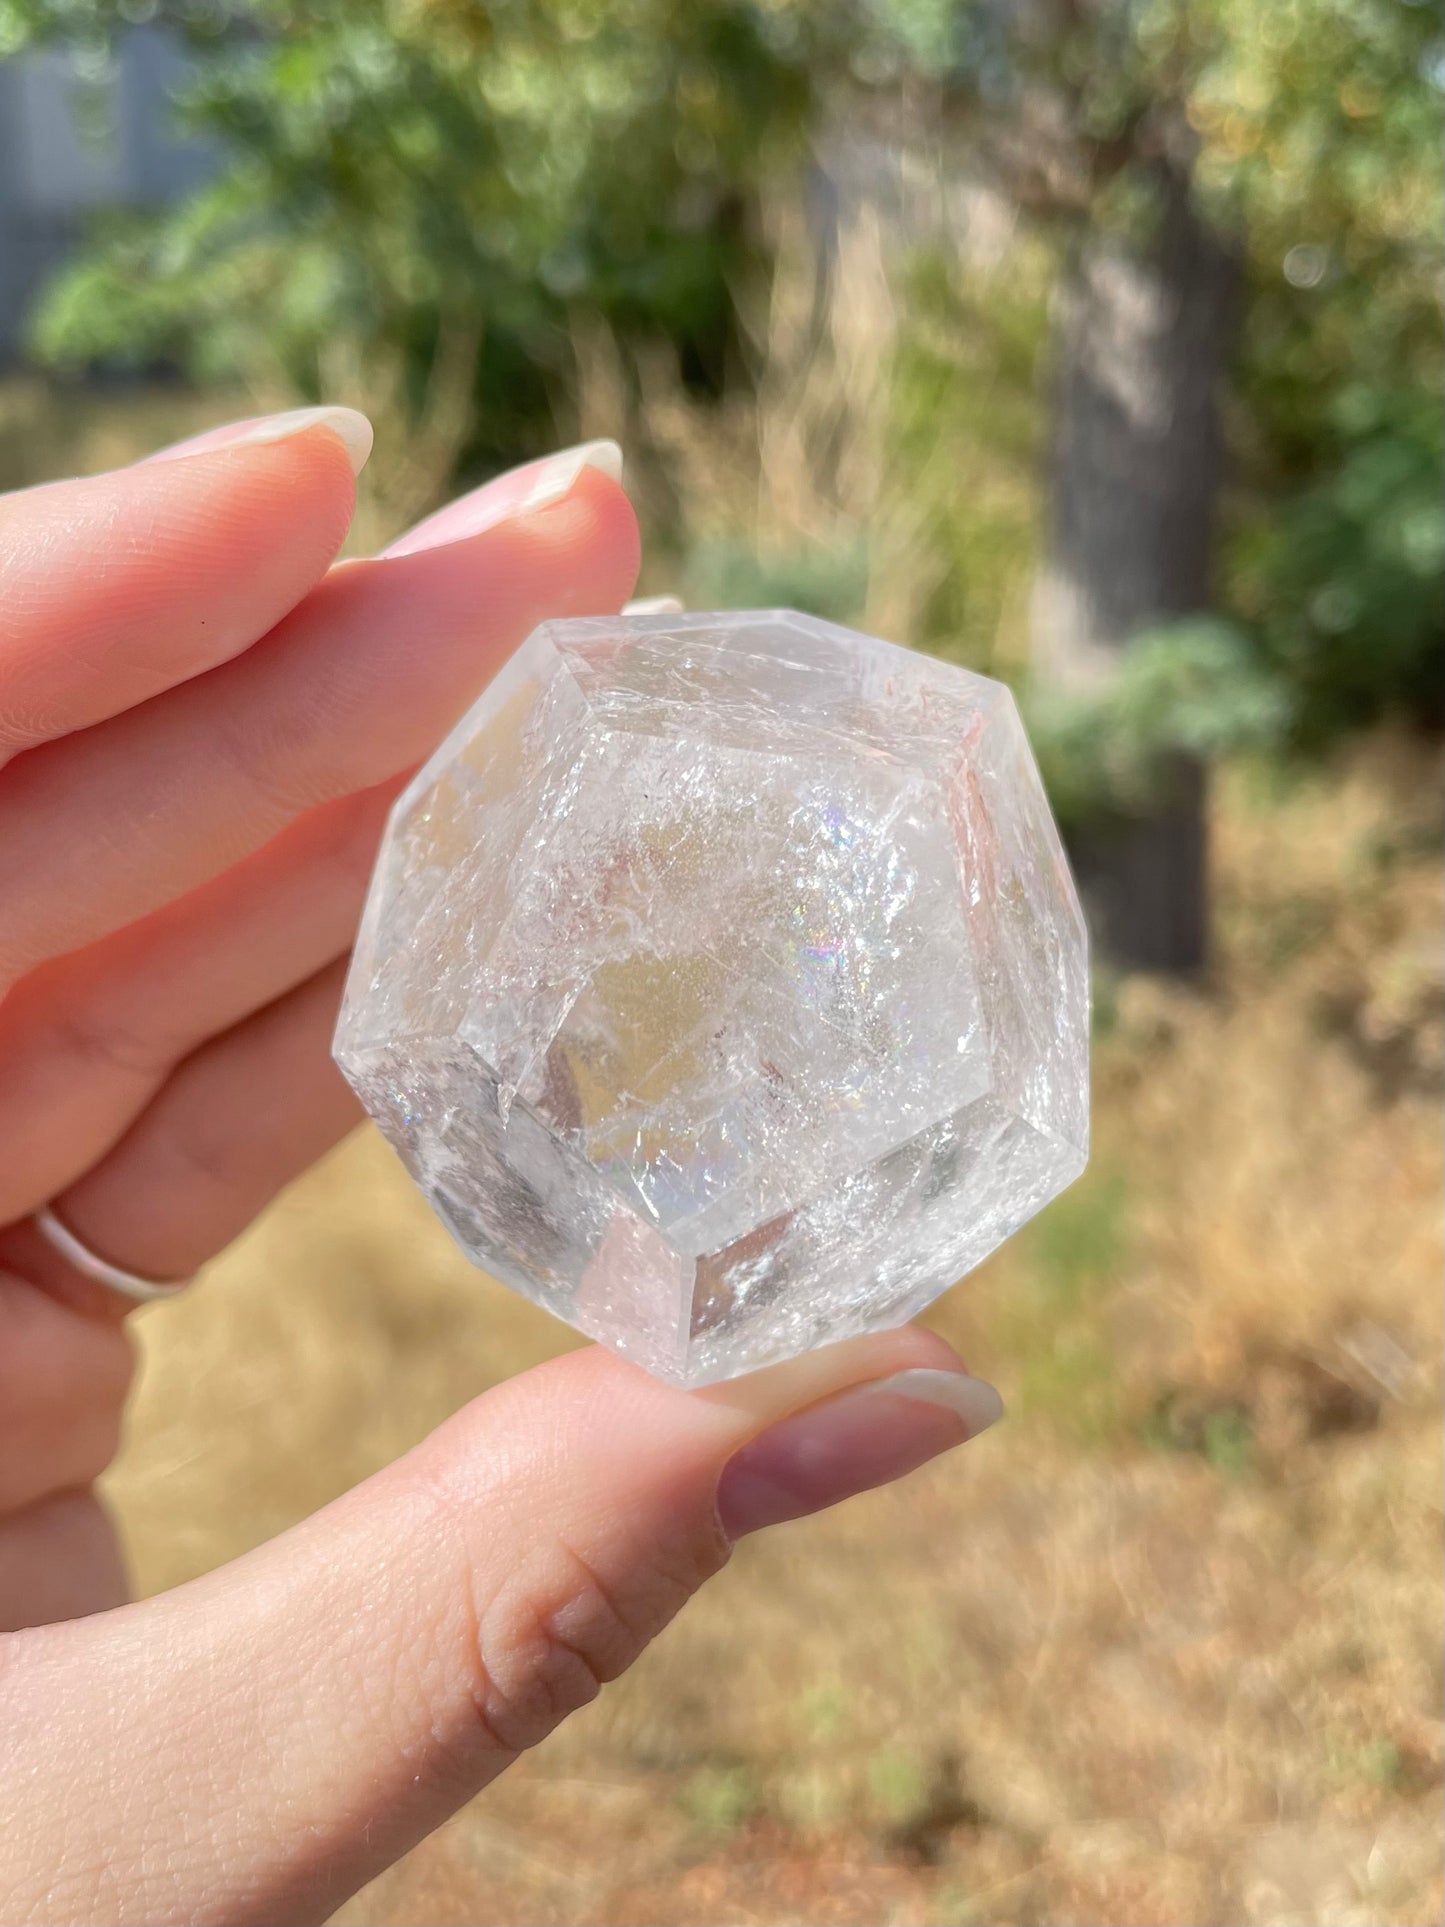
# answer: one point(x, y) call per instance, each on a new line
point(202, 721)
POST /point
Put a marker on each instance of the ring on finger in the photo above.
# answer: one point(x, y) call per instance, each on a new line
point(129, 1284)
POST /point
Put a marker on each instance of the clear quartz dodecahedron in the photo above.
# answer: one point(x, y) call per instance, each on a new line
point(723, 984)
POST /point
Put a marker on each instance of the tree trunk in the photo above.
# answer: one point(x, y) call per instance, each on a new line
point(1137, 465)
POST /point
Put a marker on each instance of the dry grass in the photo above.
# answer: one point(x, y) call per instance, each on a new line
point(1163, 1649)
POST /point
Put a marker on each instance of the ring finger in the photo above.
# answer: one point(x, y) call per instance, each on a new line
point(87, 1041)
point(235, 1123)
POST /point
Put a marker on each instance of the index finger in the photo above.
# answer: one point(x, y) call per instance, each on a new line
point(115, 587)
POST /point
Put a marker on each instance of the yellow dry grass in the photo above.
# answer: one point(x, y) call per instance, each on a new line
point(1163, 1648)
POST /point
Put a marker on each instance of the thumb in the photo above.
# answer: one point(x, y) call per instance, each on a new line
point(256, 1745)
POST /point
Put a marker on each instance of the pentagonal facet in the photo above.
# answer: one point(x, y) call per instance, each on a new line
point(723, 984)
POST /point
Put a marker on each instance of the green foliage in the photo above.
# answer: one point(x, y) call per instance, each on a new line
point(1221, 1433)
point(824, 1711)
point(1196, 688)
point(1076, 1247)
point(1379, 1763)
point(1320, 122)
point(830, 582)
point(897, 1784)
point(399, 169)
point(1341, 583)
point(721, 1798)
point(1312, 131)
point(1229, 1443)
point(1052, 1323)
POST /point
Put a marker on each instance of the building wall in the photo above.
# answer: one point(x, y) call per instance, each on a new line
point(70, 147)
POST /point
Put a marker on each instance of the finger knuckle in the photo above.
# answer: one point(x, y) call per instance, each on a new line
point(540, 1642)
point(196, 1156)
point(269, 767)
point(549, 1642)
point(94, 1041)
point(62, 1393)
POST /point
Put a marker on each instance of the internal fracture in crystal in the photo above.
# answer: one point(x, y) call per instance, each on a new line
point(723, 984)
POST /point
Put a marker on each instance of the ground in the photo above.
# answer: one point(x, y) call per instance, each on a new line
point(1163, 1648)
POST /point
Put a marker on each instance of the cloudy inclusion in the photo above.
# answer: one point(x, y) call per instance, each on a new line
point(723, 984)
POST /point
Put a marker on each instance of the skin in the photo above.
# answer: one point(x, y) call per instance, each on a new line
point(203, 719)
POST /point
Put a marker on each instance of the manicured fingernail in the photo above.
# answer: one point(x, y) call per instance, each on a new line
point(350, 428)
point(861, 1438)
point(521, 491)
point(654, 605)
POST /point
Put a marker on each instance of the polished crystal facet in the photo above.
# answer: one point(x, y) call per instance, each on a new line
point(723, 984)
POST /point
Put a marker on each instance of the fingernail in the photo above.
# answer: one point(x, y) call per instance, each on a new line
point(863, 1437)
point(654, 605)
point(521, 491)
point(348, 425)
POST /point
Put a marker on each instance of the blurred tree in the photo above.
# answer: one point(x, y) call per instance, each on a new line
point(1147, 333)
point(417, 197)
point(1324, 125)
point(1240, 191)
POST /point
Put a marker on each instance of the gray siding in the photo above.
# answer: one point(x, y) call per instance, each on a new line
point(58, 167)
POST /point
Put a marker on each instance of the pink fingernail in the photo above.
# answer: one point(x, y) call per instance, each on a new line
point(864, 1437)
point(520, 491)
point(350, 428)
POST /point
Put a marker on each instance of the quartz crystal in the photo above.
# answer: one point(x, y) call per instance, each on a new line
point(723, 984)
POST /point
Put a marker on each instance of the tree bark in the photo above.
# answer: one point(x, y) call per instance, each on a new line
point(1146, 335)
